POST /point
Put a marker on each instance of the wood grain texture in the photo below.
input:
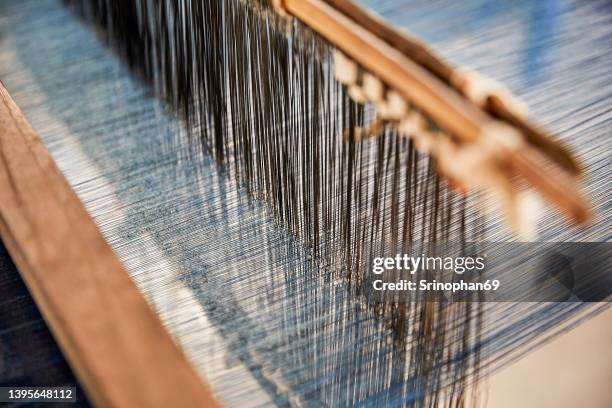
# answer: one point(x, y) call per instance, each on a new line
point(114, 342)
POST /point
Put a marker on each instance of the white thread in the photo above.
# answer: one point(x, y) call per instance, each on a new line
point(397, 105)
point(345, 70)
point(479, 88)
point(357, 94)
point(373, 88)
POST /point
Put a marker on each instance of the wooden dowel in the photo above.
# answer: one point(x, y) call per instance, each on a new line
point(391, 57)
point(409, 46)
point(422, 55)
point(115, 343)
point(444, 105)
point(536, 137)
point(559, 189)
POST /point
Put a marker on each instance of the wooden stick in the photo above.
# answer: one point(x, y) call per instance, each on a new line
point(409, 46)
point(442, 103)
point(115, 343)
point(537, 137)
point(557, 188)
point(422, 55)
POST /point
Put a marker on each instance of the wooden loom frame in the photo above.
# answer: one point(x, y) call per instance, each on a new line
point(115, 343)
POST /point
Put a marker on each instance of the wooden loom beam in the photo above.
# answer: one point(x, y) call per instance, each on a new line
point(383, 52)
point(115, 343)
point(392, 67)
point(421, 54)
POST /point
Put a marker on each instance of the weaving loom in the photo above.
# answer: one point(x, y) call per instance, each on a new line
point(248, 213)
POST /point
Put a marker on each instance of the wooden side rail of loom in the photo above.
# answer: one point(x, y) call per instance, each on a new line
point(426, 81)
point(114, 342)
